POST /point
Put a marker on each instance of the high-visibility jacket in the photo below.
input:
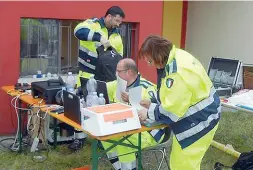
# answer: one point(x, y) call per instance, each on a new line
point(151, 138)
point(188, 100)
point(89, 33)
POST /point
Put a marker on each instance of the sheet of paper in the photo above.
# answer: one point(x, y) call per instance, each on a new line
point(121, 87)
point(135, 97)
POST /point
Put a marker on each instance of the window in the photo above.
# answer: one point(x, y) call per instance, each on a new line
point(49, 45)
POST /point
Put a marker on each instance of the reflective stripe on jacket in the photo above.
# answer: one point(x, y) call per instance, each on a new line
point(89, 33)
point(148, 91)
point(188, 101)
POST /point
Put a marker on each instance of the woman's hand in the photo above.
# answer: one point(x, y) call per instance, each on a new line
point(145, 103)
point(143, 114)
point(125, 97)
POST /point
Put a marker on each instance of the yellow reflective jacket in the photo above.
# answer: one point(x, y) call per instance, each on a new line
point(89, 33)
point(188, 100)
point(148, 88)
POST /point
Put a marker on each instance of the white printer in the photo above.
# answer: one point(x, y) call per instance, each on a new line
point(109, 119)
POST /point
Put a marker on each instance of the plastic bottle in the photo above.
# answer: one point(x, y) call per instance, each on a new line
point(91, 85)
point(39, 74)
point(70, 82)
point(101, 99)
point(89, 99)
point(95, 101)
point(82, 103)
point(49, 75)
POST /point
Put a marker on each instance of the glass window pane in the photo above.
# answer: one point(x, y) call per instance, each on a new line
point(38, 46)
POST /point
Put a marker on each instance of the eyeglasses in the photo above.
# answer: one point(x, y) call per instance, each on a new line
point(118, 21)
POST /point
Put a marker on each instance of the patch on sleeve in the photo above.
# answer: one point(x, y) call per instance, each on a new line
point(169, 82)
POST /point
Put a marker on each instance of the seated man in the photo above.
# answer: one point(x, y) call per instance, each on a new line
point(127, 70)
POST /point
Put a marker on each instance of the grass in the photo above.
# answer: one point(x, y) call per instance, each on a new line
point(235, 129)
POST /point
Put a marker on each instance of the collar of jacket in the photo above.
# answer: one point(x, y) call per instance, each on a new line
point(136, 82)
point(101, 21)
point(172, 54)
point(162, 72)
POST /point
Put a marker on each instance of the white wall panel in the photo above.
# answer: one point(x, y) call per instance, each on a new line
point(223, 29)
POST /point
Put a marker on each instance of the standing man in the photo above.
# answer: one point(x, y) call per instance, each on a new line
point(94, 32)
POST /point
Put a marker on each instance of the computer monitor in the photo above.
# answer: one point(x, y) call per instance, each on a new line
point(101, 88)
point(71, 104)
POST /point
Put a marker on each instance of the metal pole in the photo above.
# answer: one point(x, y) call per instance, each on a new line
point(225, 149)
point(139, 152)
point(55, 132)
point(94, 154)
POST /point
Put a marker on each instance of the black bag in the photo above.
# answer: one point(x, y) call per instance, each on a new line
point(106, 64)
point(244, 162)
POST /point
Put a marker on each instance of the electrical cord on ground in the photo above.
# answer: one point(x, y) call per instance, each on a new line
point(9, 148)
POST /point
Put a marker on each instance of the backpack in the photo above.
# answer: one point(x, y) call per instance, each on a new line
point(106, 64)
point(244, 162)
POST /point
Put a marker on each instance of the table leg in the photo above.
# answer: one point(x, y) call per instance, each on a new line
point(20, 126)
point(139, 152)
point(55, 132)
point(94, 154)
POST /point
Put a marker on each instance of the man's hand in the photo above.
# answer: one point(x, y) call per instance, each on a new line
point(143, 114)
point(145, 103)
point(125, 97)
point(105, 42)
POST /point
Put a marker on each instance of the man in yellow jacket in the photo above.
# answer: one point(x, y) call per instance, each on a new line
point(94, 32)
point(127, 70)
point(188, 102)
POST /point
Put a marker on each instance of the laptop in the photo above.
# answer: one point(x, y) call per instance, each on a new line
point(101, 88)
point(71, 104)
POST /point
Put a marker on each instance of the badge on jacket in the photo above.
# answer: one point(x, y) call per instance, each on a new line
point(169, 82)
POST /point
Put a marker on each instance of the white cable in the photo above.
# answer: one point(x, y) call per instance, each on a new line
point(16, 98)
point(29, 121)
point(16, 110)
point(14, 143)
point(50, 107)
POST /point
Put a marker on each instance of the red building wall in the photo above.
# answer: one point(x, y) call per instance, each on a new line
point(148, 14)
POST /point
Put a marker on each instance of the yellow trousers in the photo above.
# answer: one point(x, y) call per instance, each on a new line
point(190, 157)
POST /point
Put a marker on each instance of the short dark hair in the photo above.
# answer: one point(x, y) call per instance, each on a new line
point(115, 10)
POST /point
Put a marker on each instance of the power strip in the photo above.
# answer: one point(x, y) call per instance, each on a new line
point(35, 144)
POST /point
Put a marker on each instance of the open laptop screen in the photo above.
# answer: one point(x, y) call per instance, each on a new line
point(71, 103)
